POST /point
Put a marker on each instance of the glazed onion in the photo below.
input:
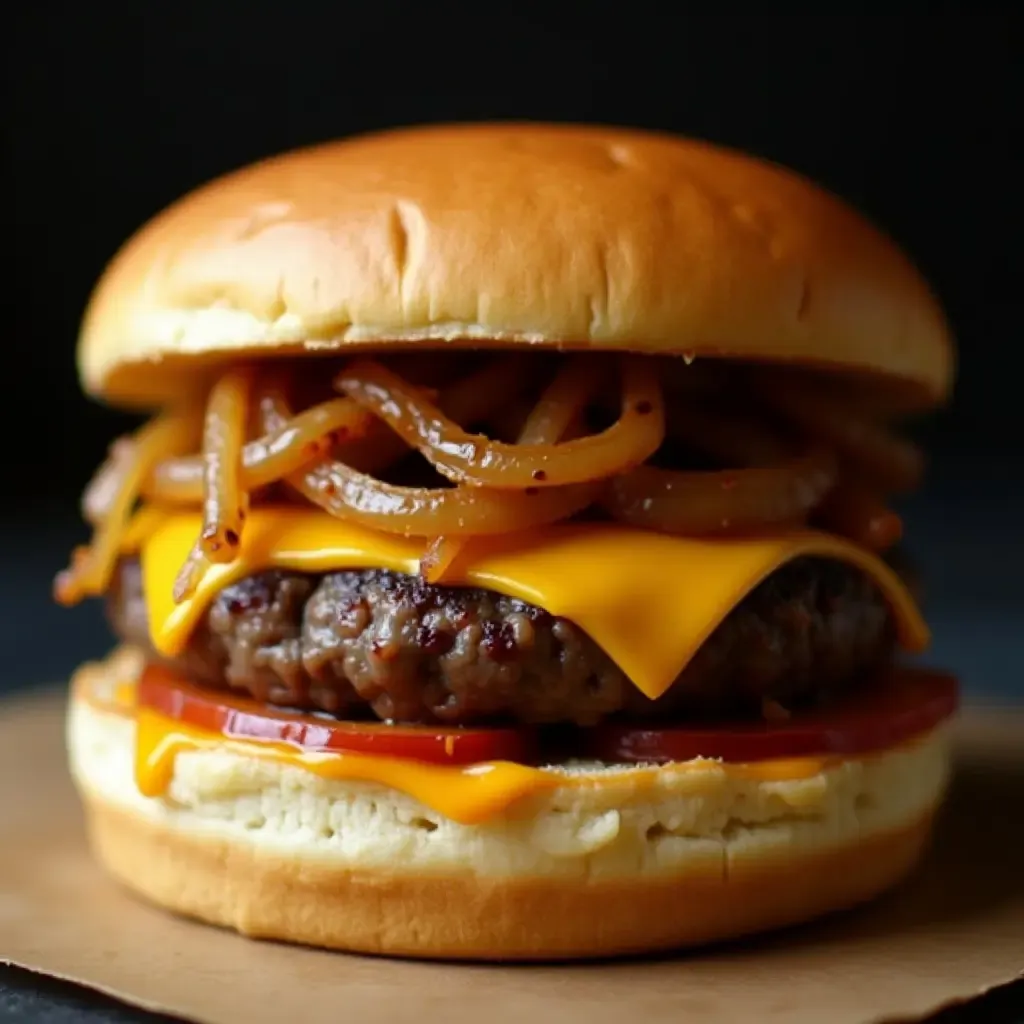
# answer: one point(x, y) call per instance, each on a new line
point(721, 502)
point(492, 386)
point(855, 512)
point(422, 511)
point(562, 403)
point(439, 556)
point(429, 511)
point(472, 397)
point(891, 463)
point(333, 454)
point(309, 435)
point(227, 413)
point(130, 461)
point(559, 407)
point(190, 573)
point(473, 459)
point(102, 490)
point(731, 438)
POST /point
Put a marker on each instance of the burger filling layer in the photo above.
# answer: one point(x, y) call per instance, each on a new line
point(568, 538)
point(374, 643)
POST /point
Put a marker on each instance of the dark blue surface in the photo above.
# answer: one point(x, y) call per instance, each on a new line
point(968, 534)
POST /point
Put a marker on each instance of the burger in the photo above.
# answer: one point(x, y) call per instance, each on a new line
point(505, 568)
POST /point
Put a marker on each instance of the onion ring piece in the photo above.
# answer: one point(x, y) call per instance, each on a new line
point(473, 459)
point(889, 462)
point(483, 392)
point(854, 512)
point(721, 502)
point(224, 499)
point(190, 574)
point(304, 438)
point(734, 439)
point(558, 409)
point(119, 481)
point(424, 512)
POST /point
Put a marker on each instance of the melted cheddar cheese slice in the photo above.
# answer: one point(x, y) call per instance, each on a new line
point(647, 599)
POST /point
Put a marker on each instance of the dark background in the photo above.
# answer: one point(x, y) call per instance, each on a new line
point(113, 111)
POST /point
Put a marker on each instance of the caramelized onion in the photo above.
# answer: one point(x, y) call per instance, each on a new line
point(891, 463)
point(301, 440)
point(130, 461)
point(562, 403)
point(429, 511)
point(492, 386)
point(424, 511)
point(559, 408)
point(190, 574)
point(479, 394)
point(227, 413)
point(438, 557)
point(333, 452)
point(726, 501)
point(507, 423)
point(732, 438)
point(473, 459)
point(854, 512)
point(102, 490)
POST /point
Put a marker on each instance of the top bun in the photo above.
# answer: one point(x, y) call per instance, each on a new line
point(510, 234)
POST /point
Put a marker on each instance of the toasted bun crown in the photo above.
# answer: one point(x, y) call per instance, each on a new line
point(544, 235)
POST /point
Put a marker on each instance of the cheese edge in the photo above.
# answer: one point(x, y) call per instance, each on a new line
point(617, 578)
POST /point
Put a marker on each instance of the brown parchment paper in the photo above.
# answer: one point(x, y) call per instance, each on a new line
point(954, 931)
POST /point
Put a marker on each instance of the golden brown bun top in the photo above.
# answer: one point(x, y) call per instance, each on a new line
point(583, 237)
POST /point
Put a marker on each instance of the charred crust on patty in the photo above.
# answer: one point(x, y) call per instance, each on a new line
point(373, 643)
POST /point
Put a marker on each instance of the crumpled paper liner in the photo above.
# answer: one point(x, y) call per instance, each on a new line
point(955, 930)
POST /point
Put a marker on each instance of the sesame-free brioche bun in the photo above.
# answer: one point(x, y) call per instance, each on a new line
point(580, 871)
point(510, 234)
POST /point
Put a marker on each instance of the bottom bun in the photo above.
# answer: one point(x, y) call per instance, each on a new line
point(606, 868)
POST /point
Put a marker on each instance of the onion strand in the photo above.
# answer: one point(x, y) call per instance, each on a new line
point(483, 392)
point(120, 482)
point(227, 413)
point(853, 511)
point(558, 408)
point(723, 501)
point(474, 459)
point(891, 463)
point(424, 511)
point(266, 460)
point(803, 454)
point(732, 438)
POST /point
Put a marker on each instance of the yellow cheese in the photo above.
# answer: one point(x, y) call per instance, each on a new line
point(647, 599)
point(467, 794)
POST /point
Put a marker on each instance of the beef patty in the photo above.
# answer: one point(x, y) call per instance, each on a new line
point(357, 643)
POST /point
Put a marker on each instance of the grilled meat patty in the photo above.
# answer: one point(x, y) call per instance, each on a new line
point(375, 643)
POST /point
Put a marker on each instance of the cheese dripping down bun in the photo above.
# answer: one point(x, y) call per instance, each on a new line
point(632, 859)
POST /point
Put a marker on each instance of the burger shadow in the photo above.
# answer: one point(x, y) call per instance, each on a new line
point(974, 866)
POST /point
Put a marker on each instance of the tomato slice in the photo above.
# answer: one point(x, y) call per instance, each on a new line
point(240, 718)
point(902, 703)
